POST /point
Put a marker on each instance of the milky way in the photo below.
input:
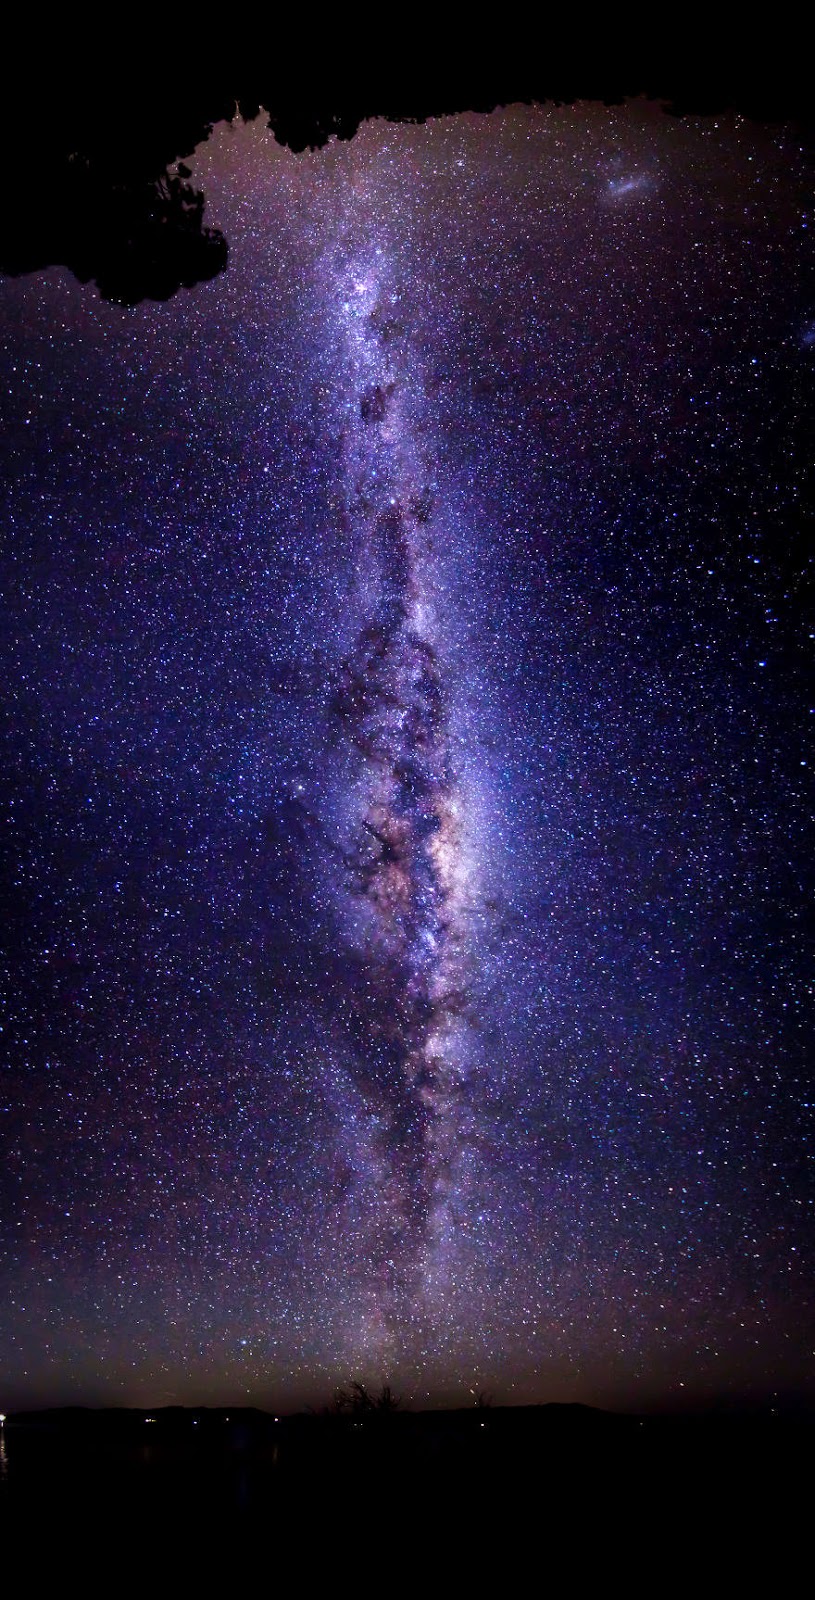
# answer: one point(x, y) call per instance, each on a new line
point(406, 866)
point(405, 780)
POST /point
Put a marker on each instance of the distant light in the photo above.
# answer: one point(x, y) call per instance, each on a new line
point(2, 1418)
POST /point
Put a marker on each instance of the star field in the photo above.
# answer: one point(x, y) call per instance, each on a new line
point(406, 780)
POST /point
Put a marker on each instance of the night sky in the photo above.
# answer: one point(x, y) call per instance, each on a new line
point(404, 783)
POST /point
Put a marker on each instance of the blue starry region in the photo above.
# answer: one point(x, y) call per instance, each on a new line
point(406, 780)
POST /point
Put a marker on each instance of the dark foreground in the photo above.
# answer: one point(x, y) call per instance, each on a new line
point(572, 1491)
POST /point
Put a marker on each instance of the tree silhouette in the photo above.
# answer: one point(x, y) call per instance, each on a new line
point(96, 177)
point(356, 1401)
